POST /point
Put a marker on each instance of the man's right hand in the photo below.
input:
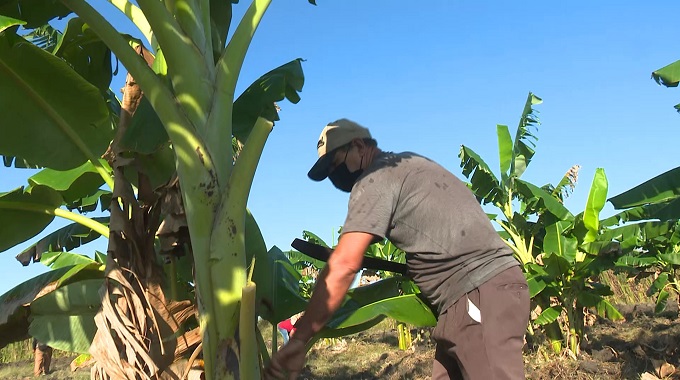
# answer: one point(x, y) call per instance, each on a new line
point(287, 363)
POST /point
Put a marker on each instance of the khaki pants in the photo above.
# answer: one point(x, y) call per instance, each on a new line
point(481, 336)
point(42, 359)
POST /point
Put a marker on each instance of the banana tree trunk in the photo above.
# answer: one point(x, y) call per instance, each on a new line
point(136, 320)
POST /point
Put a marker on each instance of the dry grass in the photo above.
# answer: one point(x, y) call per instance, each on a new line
point(59, 370)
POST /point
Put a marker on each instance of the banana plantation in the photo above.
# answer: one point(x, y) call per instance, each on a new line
point(167, 168)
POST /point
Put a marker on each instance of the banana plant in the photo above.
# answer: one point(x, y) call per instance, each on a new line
point(647, 233)
point(563, 281)
point(552, 244)
point(503, 192)
point(58, 103)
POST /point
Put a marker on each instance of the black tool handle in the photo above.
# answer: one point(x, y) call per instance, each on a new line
point(322, 253)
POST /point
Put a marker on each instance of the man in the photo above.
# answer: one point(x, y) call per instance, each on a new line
point(42, 357)
point(454, 255)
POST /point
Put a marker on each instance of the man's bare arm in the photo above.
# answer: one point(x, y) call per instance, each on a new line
point(333, 283)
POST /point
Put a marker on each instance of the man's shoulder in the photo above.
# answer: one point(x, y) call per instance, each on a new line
point(397, 160)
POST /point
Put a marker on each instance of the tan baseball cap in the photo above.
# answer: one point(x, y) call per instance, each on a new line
point(333, 136)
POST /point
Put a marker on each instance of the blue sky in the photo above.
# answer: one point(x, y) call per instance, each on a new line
point(428, 78)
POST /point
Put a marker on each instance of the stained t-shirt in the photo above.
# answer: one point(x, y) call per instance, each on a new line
point(451, 246)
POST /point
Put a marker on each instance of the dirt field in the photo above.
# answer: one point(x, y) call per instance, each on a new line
point(644, 346)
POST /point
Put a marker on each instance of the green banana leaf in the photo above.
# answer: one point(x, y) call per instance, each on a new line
point(146, 133)
point(668, 75)
point(603, 308)
point(299, 260)
point(64, 318)
point(556, 242)
point(635, 261)
point(22, 214)
point(408, 309)
point(14, 311)
point(548, 315)
point(525, 141)
point(56, 260)
point(35, 12)
point(45, 37)
point(661, 301)
point(41, 95)
point(536, 285)
point(660, 211)
point(86, 54)
point(630, 236)
point(277, 281)
point(483, 182)
point(596, 200)
point(258, 100)
point(313, 238)
point(383, 298)
point(504, 149)
point(8, 22)
point(66, 238)
point(663, 187)
point(531, 192)
point(74, 184)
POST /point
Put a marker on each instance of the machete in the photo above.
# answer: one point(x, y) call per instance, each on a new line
point(322, 253)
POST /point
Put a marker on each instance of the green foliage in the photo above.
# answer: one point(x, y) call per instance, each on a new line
point(15, 315)
point(50, 100)
point(20, 225)
point(649, 232)
point(668, 76)
point(64, 318)
point(559, 252)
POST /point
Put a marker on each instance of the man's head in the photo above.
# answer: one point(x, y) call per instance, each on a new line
point(335, 137)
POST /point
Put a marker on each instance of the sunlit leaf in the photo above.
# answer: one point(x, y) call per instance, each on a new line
point(596, 200)
point(668, 75)
point(545, 199)
point(504, 149)
point(548, 315)
point(74, 184)
point(8, 22)
point(557, 243)
point(64, 318)
point(63, 259)
point(536, 285)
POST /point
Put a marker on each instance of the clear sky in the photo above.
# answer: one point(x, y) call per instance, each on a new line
point(428, 77)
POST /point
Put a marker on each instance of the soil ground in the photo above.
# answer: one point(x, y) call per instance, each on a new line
point(644, 346)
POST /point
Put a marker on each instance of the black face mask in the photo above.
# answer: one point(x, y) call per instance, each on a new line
point(341, 177)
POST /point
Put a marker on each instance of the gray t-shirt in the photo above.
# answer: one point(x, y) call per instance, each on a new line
point(452, 247)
